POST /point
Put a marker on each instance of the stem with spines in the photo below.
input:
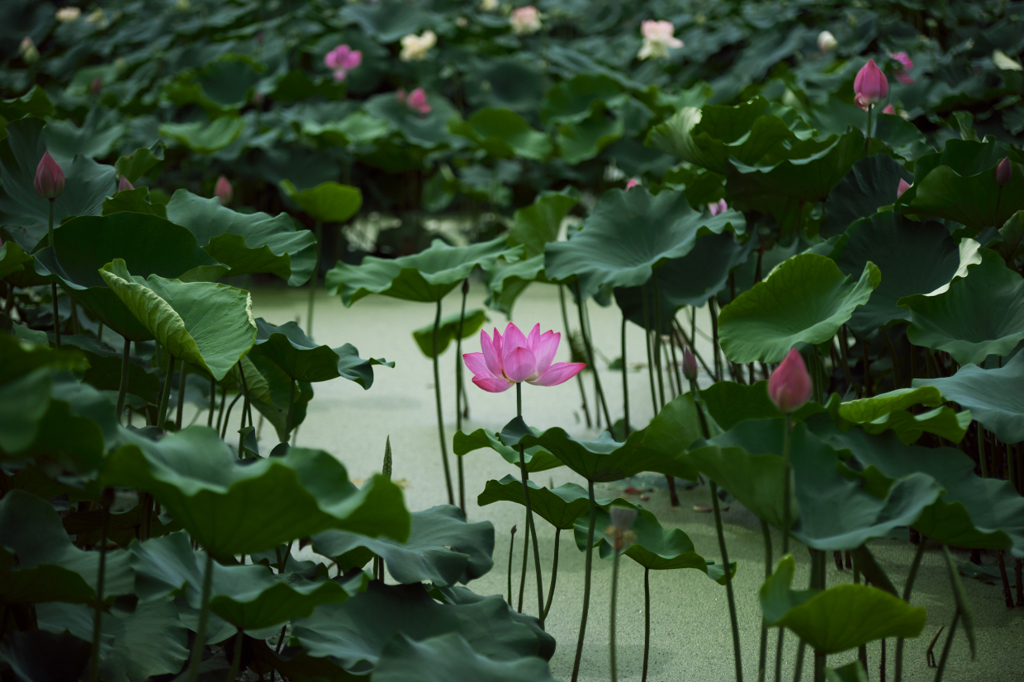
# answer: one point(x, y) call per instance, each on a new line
point(586, 582)
point(531, 527)
point(440, 413)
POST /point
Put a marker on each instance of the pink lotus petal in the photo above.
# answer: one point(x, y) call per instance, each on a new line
point(513, 339)
point(545, 351)
point(519, 365)
point(492, 384)
point(533, 338)
point(558, 373)
point(476, 364)
point(491, 351)
point(904, 79)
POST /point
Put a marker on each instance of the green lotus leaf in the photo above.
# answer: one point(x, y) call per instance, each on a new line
point(505, 281)
point(301, 359)
point(358, 127)
point(248, 597)
point(353, 634)
point(537, 459)
point(575, 99)
point(611, 250)
point(388, 21)
point(993, 396)
point(450, 657)
point(959, 320)
point(205, 138)
point(975, 512)
point(448, 331)
point(98, 134)
point(24, 214)
point(914, 258)
point(46, 656)
point(139, 162)
point(196, 478)
point(246, 242)
point(584, 140)
point(19, 357)
point(48, 567)
point(33, 103)
point(537, 224)
point(503, 134)
point(330, 202)
point(559, 506)
point(655, 548)
point(427, 276)
point(690, 280)
point(122, 528)
point(12, 259)
point(944, 422)
point(426, 131)
point(839, 618)
point(729, 403)
point(205, 324)
point(869, 185)
point(270, 390)
point(889, 411)
point(804, 300)
point(442, 548)
point(965, 194)
point(136, 200)
point(851, 672)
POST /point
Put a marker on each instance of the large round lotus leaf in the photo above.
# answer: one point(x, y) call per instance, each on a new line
point(329, 202)
point(270, 390)
point(505, 281)
point(136, 200)
point(46, 656)
point(581, 141)
point(891, 411)
point(972, 512)
point(387, 21)
point(729, 403)
point(804, 300)
point(23, 213)
point(503, 134)
point(205, 138)
point(869, 185)
point(537, 224)
point(427, 276)
point(690, 280)
point(629, 234)
point(205, 324)
point(963, 187)
point(12, 259)
point(575, 99)
point(249, 597)
point(979, 315)
point(536, 458)
point(450, 657)
point(448, 331)
point(650, 545)
point(353, 634)
point(48, 567)
point(245, 242)
point(756, 131)
point(197, 479)
point(839, 618)
point(301, 359)
point(914, 258)
point(995, 397)
point(426, 131)
point(559, 506)
point(100, 131)
point(442, 548)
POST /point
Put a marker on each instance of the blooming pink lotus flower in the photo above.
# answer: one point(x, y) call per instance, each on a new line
point(870, 85)
point(49, 182)
point(341, 60)
point(415, 100)
point(901, 188)
point(525, 20)
point(718, 207)
point(633, 182)
point(904, 60)
point(123, 185)
point(789, 386)
point(1004, 172)
point(509, 360)
point(223, 190)
point(658, 39)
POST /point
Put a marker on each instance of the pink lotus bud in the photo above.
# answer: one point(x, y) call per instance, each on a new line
point(633, 182)
point(123, 185)
point(96, 87)
point(223, 190)
point(870, 85)
point(901, 188)
point(689, 365)
point(1004, 171)
point(718, 207)
point(904, 60)
point(789, 386)
point(417, 101)
point(889, 109)
point(49, 181)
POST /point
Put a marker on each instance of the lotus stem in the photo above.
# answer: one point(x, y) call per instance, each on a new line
point(714, 338)
point(511, 550)
point(844, 353)
point(53, 285)
point(165, 395)
point(625, 384)
point(981, 450)
point(204, 617)
point(531, 526)
point(801, 650)
point(862, 650)
point(657, 342)
point(582, 309)
point(181, 395)
point(611, 624)
point(867, 138)
point(223, 404)
point(213, 402)
point(692, 343)
point(247, 406)
point(881, 663)
point(227, 417)
point(315, 277)
point(947, 646)
point(123, 388)
point(1018, 570)
point(526, 562)
point(236, 657)
point(762, 662)
point(579, 377)
point(650, 354)
point(647, 621)
point(458, 394)
point(291, 411)
point(97, 630)
point(586, 582)
point(818, 578)
point(785, 532)
point(896, 378)
point(440, 413)
point(676, 365)
point(868, 390)
point(1007, 595)
point(554, 574)
point(99, 330)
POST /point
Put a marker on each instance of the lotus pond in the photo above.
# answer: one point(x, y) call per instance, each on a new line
point(447, 340)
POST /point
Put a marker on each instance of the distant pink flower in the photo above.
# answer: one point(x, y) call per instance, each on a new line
point(633, 182)
point(525, 20)
point(49, 182)
point(870, 85)
point(415, 100)
point(223, 190)
point(341, 60)
point(658, 38)
point(123, 185)
point(718, 207)
point(902, 187)
point(789, 386)
point(514, 358)
point(901, 74)
point(889, 109)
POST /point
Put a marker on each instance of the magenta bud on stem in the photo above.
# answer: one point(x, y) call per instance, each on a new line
point(49, 182)
point(123, 185)
point(689, 365)
point(1004, 172)
point(223, 190)
point(789, 386)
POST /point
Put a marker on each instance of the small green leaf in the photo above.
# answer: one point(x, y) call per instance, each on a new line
point(329, 202)
point(205, 138)
point(448, 331)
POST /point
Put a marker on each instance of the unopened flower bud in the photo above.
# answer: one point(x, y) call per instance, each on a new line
point(1004, 172)
point(901, 188)
point(96, 87)
point(28, 51)
point(689, 365)
point(49, 182)
point(827, 42)
point(223, 190)
point(789, 386)
point(123, 185)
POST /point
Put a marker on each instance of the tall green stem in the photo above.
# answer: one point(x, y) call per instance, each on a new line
point(458, 395)
point(947, 647)
point(526, 562)
point(554, 574)
point(213, 402)
point(714, 339)
point(529, 511)
point(981, 451)
point(657, 342)
point(867, 138)
point(586, 582)
point(236, 657)
point(511, 551)
point(440, 413)
point(97, 630)
point(579, 376)
point(911, 577)
point(204, 617)
point(123, 388)
point(818, 576)
point(625, 383)
point(762, 662)
point(166, 392)
point(582, 309)
point(53, 286)
point(291, 412)
point(181, 395)
point(611, 624)
point(785, 533)
point(647, 621)
point(650, 355)
point(314, 278)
